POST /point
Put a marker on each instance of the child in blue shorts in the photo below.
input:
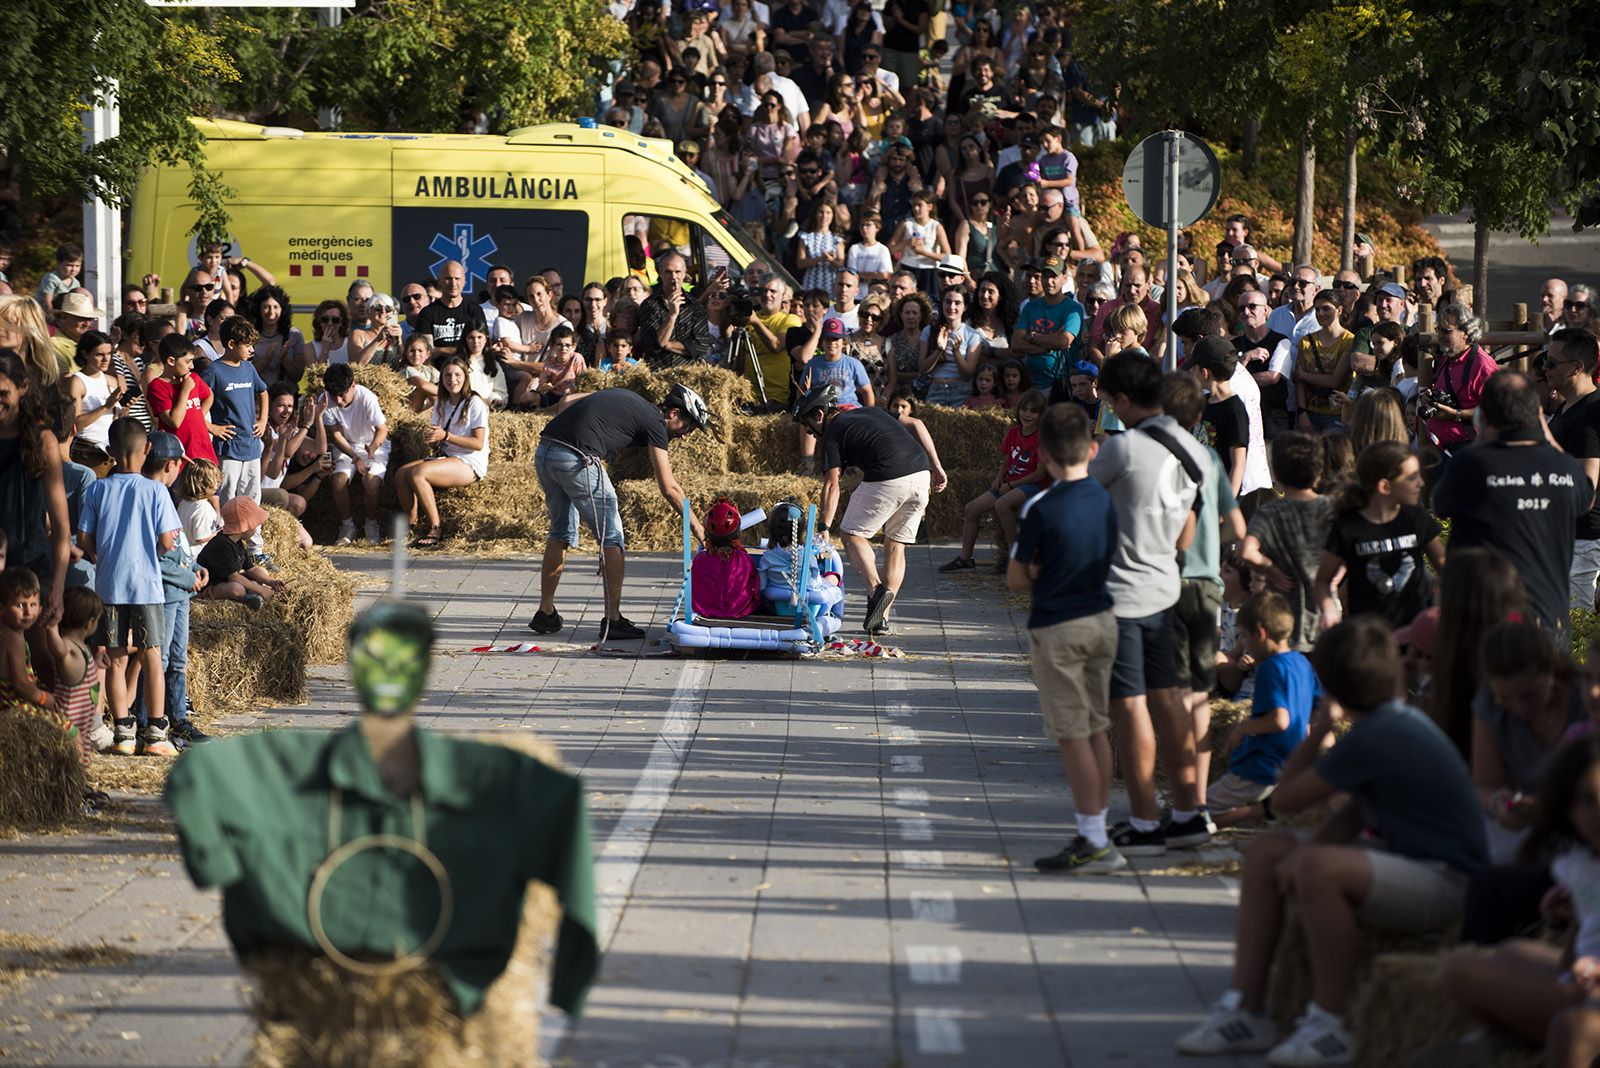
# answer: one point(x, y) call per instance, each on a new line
point(1021, 475)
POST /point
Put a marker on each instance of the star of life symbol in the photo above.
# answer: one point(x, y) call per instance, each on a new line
point(472, 252)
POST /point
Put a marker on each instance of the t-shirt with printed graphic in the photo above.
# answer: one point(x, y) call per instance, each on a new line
point(1064, 316)
point(1058, 165)
point(191, 428)
point(1386, 569)
point(238, 390)
point(447, 326)
point(1022, 456)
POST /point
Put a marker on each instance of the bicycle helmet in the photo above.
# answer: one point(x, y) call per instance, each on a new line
point(723, 519)
point(690, 404)
point(824, 397)
point(784, 521)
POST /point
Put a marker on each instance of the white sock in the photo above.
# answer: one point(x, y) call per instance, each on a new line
point(1183, 815)
point(1093, 828)
point(1143, 825)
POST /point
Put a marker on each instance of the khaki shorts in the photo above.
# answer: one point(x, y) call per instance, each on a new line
point(895, 507)
point(1412, 895)
point(1235, 791)
point(1072, 669)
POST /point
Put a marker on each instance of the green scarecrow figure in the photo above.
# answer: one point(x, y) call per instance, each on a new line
point(385, 846)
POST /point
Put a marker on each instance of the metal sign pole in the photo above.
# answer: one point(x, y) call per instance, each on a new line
point(1169, 293)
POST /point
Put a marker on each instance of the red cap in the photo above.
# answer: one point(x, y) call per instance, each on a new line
point(1422, 632)
point(723, 519)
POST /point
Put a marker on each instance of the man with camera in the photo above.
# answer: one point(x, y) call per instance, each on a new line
point(763, 314)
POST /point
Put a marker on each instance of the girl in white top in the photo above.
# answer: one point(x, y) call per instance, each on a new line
point(488, 378)
point(196, 488)
point(921, 240)
point(96, 390)
point(459, 437)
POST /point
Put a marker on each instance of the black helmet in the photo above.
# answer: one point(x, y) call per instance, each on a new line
point(689, 403)
point(824, 397)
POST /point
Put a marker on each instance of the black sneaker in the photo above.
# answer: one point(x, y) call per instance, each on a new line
point(878, 609)
point(546, 622)
point(1134, 843)
point(1081, 858)
point(619, 630)
point(189, 732)
point(960, 563)
point(1002, 564)
point(1194, 831)
point(253, 601)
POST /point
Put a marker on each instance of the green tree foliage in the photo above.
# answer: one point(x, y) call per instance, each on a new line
point(420, 65)
point(58, 60)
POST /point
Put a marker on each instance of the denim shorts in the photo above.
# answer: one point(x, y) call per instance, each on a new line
point(577, 487)
point(131, 626)
point(1146, 657)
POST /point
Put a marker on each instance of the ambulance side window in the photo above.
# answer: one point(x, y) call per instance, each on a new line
point(662, 234)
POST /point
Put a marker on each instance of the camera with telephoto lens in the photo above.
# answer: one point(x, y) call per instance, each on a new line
point(1429, 400)
point(741, 305)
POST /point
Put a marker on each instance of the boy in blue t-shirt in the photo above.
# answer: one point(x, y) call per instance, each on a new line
point(127, 523)
point(1286, 691)
point(239, 412)
point(1065, 540)
point(846, 372)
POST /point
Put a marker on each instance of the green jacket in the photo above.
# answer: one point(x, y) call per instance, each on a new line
point(253, 818)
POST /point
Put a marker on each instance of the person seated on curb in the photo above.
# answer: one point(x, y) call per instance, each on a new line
point(571, 464)
point(1409, 787)
point(226, 557)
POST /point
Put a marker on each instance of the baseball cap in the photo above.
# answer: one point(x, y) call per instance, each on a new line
point(1208, 350)
point(1052, 265)
point(1365, 239)
point(165, 446)
point(240, 514)
point(832, 328)
point(1392, 289)
point(688, 148)
point(1086, 367)
point(1422, 632)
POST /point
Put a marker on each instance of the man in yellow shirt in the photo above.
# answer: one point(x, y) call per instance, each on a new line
point(767, 328)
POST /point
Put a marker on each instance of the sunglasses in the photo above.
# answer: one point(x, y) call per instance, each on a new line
point(1575, 304)
point(1345, 285)
point(979, 201)
point(719, 84)
point(870, 55)
point(1305, 283)
point(1253, 304)
point(330, 319)
point(412, 298)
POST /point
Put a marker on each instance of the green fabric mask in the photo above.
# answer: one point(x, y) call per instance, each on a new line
point(390, 648)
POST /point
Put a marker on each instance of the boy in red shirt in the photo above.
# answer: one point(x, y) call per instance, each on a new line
point(1021, 476)
point(180, 401)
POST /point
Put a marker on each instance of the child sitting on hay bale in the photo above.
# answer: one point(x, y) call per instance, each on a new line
point(359, 435)
point(1540, 992)
point(19, 611)
point(226, 558)
point(723, 577)
point(78, 694)
point(196, 491)
point(1021, 475)
point(1409, 786)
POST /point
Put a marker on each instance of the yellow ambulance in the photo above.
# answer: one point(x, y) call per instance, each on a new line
point(321, 210)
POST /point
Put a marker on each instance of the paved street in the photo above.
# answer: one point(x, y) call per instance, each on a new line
point(1518, 268)
point(805, 864)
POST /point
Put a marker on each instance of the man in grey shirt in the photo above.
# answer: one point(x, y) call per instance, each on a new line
point(1153, 472)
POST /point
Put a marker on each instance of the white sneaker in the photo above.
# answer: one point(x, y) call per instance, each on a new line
point(102, 737)
point(347, 532)
point(1229, 1029)
point(372, 532)
point(1319, 1039)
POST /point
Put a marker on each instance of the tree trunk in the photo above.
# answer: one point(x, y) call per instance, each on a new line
point(1347, 237)
point(1252, 142)
point(1480, 265)
point(1305, 187)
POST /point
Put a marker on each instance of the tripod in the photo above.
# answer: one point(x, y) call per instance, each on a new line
point(742, 353)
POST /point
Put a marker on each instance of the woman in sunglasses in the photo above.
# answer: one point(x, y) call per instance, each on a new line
point(867, 345)
point(331, 327)
point(380, 342)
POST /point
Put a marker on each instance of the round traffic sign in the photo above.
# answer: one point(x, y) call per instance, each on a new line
point(1144, 179)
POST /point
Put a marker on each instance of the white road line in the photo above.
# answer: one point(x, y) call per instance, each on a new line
point(939, 1031)
point(923, 859)
point(899, 710)
point(905, 764)
point(617, 862)
point(915, 828)
point(910, 797)
point(936, 906)
point(934, 965)
point(904, 736)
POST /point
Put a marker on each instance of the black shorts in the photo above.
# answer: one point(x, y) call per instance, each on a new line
point(1145, 656)
point(1194, 634)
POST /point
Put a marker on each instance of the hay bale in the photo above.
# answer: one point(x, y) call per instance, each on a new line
point(513, 436)
point(312, 1014)
point(320, 599)
point(724, 392)
point(966, 440)
point(240, 658)
point(764, 445)
point(1225, 715)
point(1402, 1008)
point(1290, 987)
point(41, 771)
point(505, 510)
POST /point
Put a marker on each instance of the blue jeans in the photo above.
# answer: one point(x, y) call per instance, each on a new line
point(174, 665)
point(949, 392)
point(1327, 423)
point(576, 488)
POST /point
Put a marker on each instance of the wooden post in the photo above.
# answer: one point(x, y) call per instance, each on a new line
point(1519, 322)
point(1464, 295)
point(1398, 273)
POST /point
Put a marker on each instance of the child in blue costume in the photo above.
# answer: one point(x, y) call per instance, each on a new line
point(778, 564)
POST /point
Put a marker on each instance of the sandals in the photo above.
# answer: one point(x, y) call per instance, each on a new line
point(427, 541)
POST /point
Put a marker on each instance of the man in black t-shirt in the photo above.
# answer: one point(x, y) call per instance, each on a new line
point(446, 320)
point(905, 25)
point(1517, 494)
point(896, 478)
point(1574, 358)
point(791, 28)
point(570, 463)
